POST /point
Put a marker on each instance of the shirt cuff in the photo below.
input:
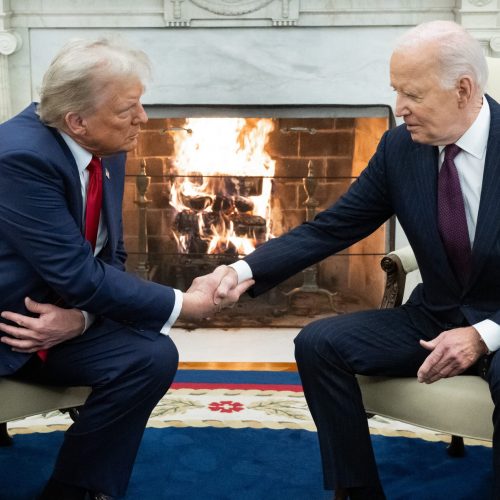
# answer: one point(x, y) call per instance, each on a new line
point(174, 314)
point(243, 270)
point(88, 318)
point(490, 333)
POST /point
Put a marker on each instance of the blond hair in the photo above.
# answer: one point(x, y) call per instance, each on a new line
point(78, 76)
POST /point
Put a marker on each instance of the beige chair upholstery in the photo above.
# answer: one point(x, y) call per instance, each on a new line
point(23, 399)
point(460, 406)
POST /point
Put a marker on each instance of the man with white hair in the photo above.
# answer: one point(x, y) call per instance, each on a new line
point(62, 167)
point(439, 173)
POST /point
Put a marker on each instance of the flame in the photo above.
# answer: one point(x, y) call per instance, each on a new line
point(223, 176)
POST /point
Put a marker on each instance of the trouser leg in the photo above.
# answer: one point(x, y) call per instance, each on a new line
point(329, 353)
point(493, 378)
point(129, 374)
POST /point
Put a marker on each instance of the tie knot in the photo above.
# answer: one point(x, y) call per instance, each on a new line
point(95, 163)
point(451, 151)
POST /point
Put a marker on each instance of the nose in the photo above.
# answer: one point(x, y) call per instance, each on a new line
point(401, 106)
point(140, 116)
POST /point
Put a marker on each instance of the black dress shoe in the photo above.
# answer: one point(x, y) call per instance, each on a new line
point(340, 494)
point(97, 496)
point(359, 494)
point(55, 490)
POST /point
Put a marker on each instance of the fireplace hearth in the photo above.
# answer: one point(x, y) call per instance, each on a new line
point(216, 187)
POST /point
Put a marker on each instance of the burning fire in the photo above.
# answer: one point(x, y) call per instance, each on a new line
point(222, 188)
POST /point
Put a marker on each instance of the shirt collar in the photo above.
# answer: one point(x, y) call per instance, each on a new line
point(476, 137)
point(82, 156)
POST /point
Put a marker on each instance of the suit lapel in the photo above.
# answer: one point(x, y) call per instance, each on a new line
point(488, 220)
point(75, 202)
point(425, 169)
point(108, 211)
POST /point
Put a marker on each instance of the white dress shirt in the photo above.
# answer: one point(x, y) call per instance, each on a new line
point(82, 158)
point(470, 166)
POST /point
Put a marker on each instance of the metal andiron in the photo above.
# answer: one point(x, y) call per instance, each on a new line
point(310, 284)
point(142, 184)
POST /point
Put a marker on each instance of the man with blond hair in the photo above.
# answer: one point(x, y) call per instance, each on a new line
point(71, 315)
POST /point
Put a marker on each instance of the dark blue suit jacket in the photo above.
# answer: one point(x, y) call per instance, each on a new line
point(401, 180)
point(43, 253)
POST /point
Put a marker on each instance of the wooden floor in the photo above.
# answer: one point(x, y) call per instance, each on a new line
point(242, 366)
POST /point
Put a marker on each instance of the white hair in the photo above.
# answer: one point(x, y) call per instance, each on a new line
point(77, 77)
point(459, 53)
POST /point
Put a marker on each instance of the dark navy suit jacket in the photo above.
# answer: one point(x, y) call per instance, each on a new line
point(43, 253)
point(401, 180)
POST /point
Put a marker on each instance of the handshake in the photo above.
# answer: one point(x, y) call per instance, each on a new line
point(212, 292)
point(49, 325)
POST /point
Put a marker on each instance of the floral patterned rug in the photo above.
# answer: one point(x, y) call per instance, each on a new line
point(233, 399)
point(246, 436)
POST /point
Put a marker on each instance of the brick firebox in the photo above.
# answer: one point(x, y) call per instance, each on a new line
point(338, 148)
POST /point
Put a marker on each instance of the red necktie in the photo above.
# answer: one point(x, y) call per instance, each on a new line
point(452, 222)
point(92, 212)
point(94, 200)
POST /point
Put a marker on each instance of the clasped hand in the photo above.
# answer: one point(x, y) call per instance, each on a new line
point(212, 292)
point(51, 326)
point(453, 351)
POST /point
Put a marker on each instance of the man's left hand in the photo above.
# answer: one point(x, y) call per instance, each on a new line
point(453, 351)
point(52, 326)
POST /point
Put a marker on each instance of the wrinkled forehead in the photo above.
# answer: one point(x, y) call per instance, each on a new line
point(112, 90)
point(415, 63)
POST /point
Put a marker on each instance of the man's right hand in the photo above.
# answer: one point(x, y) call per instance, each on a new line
point(208, 294)
point(228, 285)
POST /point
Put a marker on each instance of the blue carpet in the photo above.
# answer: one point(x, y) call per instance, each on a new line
point(255, 464)
point(235, 377)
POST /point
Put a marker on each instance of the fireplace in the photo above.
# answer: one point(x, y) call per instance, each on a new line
point(205, 186)
point(248, 59)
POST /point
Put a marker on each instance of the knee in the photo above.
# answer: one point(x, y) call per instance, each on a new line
point(311, 341)
point(302, 343)
point(158, 361)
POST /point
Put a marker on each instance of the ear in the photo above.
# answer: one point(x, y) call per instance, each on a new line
point(465, 90)
point(75, 123)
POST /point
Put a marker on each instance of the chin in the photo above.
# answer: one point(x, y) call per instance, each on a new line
point(129, 146)
point(420, 138)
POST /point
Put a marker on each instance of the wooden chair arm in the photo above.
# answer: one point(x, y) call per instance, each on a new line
point(396, 265)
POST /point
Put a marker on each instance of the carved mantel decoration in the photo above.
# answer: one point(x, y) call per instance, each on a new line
point(480, 3)
point(10, 42)
point(187, 13)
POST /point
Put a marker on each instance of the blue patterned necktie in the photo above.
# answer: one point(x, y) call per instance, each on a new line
point(452, 222)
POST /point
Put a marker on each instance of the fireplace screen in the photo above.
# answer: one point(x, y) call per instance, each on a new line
point(207, 190)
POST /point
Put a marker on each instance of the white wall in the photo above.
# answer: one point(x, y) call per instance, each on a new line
point(255, 66)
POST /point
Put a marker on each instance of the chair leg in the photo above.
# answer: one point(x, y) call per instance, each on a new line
point(456, 447)
point(5, 438)
point(72, 412)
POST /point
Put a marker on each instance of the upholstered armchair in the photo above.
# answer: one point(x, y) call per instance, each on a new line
point(460, 406)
